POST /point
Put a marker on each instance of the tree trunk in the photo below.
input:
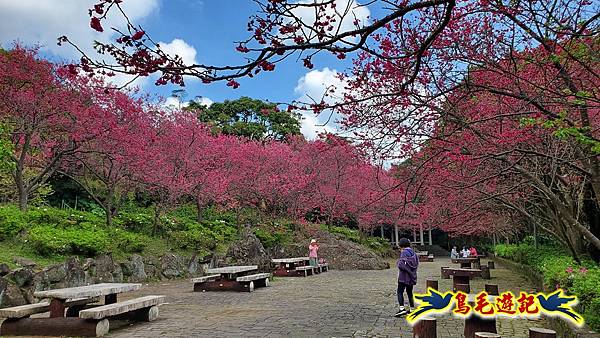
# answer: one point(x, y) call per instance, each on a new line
point(109, 218)
point(199, 209)
point(155, 223)
point(23, 199)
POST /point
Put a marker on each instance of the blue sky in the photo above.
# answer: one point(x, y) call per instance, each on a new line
point(202, 30)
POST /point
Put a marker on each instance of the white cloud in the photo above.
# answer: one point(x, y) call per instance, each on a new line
point(181, 48)
point(41, 22)
point(345, 12)
point(174, 103)
point(204, 101)
point(311, 126)
point(312, 87)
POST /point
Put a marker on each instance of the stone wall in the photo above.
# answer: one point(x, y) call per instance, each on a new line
point(562, 328)
point(17, 286)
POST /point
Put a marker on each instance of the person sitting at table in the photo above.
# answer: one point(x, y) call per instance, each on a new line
point(472, 252)
point(464, 253)
point(454, 253)
point(313, 255)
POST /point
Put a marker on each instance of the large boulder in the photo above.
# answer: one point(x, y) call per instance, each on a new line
point(194, 268)
point(173, 266)
point(103, 269)
point(10, 294)
point(4, 269)
point(339, 252)
point(74, 273)
point(21, 277)
point(152, 268)
point(133, 269)
point(24, 262)
point(248, 250)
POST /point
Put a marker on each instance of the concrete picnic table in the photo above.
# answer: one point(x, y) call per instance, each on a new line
point(230, 272)
point(58, 297)
point(293, 267)
point(81, 318)
point(290, 260)
point(231, 278)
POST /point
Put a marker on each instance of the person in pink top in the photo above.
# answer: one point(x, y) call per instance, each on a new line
point(313, 249)
point(473, 252)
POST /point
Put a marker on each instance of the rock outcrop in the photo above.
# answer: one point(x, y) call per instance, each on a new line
point(17, 286)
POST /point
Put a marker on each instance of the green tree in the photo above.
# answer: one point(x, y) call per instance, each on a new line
point(251, 118)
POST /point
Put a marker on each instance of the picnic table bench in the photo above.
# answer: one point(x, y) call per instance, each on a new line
point(81, 318)
point(460, 276)
point(465, 262)
point(232, 278)
point(294, 267)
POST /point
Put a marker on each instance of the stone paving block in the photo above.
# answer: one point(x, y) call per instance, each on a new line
point(332, 304)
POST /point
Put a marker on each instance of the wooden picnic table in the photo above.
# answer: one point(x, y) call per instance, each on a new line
point(461, 275)
point(465, 262)
point(58, 297)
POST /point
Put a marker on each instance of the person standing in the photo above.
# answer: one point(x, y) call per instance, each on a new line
point(313, 252)
point(407, 276)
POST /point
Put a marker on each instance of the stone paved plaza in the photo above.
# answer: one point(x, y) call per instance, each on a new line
point(333, 304)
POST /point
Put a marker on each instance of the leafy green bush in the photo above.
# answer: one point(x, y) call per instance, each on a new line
point(560, 270)
point(130, 242)
point(195, 238)
point(47, 240)
point(12, 221)
point(270, 239)
point(351, 235)
point(378, 244)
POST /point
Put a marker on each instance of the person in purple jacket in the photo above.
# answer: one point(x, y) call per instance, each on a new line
point(407, 276)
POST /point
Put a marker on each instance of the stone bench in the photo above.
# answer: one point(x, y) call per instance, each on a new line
point(204, 279)
point(305, 270)
point(324, 267)
point(256, 280)
point(142, 308)
point(24, 311)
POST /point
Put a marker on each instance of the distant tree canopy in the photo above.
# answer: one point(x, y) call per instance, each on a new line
point(251, 118)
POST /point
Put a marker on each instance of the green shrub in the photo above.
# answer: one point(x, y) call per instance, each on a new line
point(560, 270)
point(378, 244)
point(138, 221)
point(47, 240)
point(12, 221)
point(351, 235)
point(270, 239)
point(130, 242)
point(194, 239)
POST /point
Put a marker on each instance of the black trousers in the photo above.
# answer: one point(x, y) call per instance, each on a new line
point(409, 293)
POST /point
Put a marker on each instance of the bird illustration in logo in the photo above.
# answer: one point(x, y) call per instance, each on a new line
point(431, 301)
point(558, 303)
